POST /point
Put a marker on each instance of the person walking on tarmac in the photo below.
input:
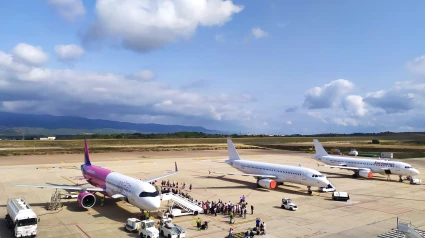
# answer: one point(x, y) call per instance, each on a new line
point(190, 187)
point(198, 223)
point(231, 217)
point(102, 200)
point(230, 233)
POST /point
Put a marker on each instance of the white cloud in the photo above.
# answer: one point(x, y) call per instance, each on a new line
point(68, 9)
point(327, 96)
point(29, 54)
point(92, 94)
point(69, 52)
point(143, 75)
point(146, 25)
point(265, 123)
point(345, 121)
point(403, 96)
point(354, 105)
point(317, 115)
point(259, 33)
point(219, 38)
point(35, 75)
point(289, 122)
point(417, 65)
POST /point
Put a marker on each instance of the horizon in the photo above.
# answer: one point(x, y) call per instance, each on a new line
point(266, 67)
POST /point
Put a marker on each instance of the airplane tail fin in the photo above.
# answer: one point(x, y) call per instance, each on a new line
point(233, 154)
point(86, 154)
point(320, 151)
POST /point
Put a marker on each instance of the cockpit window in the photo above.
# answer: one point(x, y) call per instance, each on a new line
point(408, 167)
point(317, 175)
point(147, 194)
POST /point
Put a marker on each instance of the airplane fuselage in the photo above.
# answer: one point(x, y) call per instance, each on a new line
point(138, 193)
point(376, 166)
point(284, 173)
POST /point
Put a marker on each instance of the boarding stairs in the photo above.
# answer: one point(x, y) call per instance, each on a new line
point(55, 201)
point(404, 229)
point(182, 202)
point(408, 229)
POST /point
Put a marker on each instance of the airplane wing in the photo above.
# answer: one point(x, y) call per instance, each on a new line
point(162, 176)
point(241, 174)
point(348, 168)
point(65, 187)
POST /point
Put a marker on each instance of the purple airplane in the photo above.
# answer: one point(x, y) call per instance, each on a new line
point(139, 193)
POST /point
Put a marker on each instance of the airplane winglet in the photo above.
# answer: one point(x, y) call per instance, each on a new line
point(176, 166)
point(209, 172)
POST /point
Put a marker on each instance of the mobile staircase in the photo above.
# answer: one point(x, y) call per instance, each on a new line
point(55, 201)
point(409, 230)
point(404, 229)
point(182, 202)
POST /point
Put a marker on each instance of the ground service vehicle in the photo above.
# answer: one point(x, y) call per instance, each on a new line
point(170, 230)
point(340, 196)
point(146, 228)
point(327, 189)
point(288, 204)
point(21, 218)
point(416, 181)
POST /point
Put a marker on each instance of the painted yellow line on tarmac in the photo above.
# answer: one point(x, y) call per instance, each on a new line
point(46, 167)
point(69, 180)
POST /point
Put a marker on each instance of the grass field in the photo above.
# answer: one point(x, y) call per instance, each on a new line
point(402, 146)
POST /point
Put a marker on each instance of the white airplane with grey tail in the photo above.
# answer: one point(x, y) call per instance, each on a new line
point(364, 167)
point(270, 175)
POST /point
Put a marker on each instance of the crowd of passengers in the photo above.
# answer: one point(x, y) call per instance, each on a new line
point(216, 207)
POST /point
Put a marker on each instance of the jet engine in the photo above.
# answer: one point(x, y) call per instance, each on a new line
point(267, 183)
point(365, 173)
point(86, 200)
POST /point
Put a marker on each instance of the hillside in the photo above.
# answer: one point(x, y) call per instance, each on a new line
point(15, 124)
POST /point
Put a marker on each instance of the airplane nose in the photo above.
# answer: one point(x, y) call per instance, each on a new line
point(415, 172)
point(152, 204)
point(155, 203)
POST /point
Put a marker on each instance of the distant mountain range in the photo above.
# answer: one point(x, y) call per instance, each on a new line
point(29, 124)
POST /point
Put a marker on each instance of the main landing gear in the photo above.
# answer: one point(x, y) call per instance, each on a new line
point(401, 179)
point(356, 174)
point(309, 190)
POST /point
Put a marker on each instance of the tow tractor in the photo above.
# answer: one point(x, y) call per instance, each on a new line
point(288, 204)
point(413, 181)
point(145, 228)
point(170, 230)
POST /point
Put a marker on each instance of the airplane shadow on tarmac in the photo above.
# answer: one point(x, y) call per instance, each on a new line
point(375, 178)
point(253, 185)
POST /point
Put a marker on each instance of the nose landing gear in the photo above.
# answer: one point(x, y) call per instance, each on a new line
point(309, 190)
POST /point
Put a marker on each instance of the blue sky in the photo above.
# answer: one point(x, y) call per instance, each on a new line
point(226, 65)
